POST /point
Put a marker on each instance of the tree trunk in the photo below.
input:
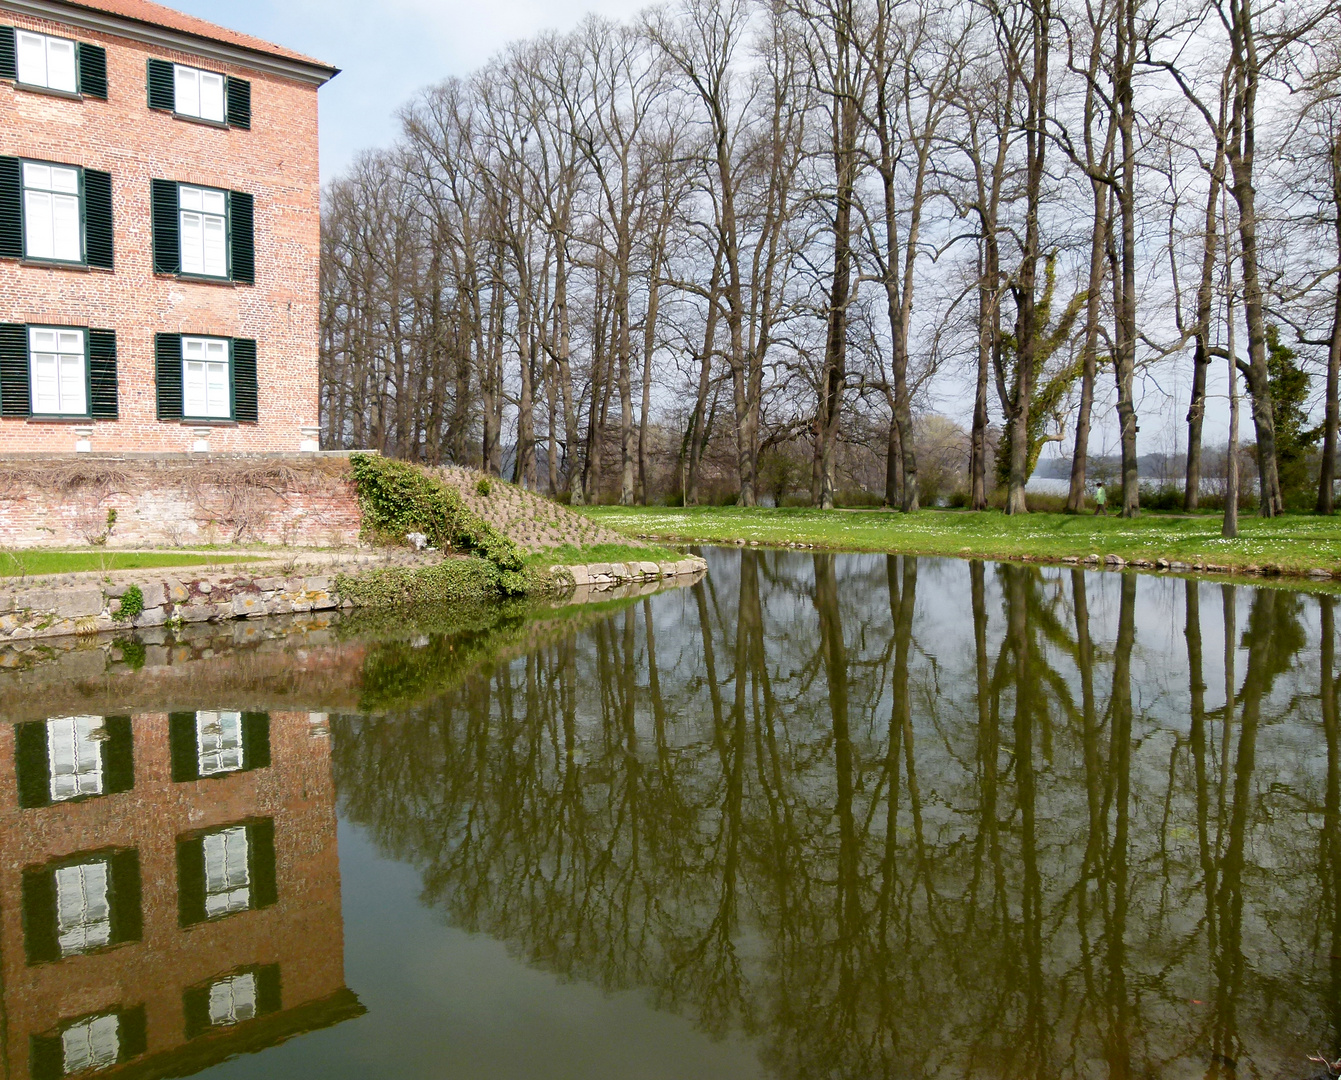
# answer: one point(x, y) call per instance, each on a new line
point(1327, 472)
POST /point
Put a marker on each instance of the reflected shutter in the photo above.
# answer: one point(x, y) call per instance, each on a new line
point(127, 919)
point(40, 936)
point(256, 740)
point(245, 393)
point(166, 221)
point(268, 990)
point(30, 753)
point(46, 1056)
point(118, 755)
point(182, 747)
point(168, 376)
point(190, 881)
point(261, 863)
point(102, 374)
point(134, 1033)
point(15, 399)
point(162, 94)
point(92, 70)
point(239, 103)
point(11, 214)
point(196, 1009)
point(98, 218)
point(242, 236)
point(9, 58)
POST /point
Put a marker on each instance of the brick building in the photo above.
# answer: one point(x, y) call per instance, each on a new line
point(169, 891)
point(159, 233)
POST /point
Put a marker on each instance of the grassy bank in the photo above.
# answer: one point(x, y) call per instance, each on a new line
point(34, 563)
point(1293, 544)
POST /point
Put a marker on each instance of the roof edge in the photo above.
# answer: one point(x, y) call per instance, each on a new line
point(75, 14)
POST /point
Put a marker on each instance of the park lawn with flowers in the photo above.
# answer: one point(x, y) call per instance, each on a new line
point(1290, 544)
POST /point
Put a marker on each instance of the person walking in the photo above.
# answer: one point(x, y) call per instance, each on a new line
point(1101, 502)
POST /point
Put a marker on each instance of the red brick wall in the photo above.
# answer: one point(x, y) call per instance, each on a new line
point(302, 932)
point(276, 161)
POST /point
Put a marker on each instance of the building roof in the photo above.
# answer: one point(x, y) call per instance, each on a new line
point(156, 15)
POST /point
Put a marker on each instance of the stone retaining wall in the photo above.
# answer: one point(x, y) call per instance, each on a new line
point(85, 604)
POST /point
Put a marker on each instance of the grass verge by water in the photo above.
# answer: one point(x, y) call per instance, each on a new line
point(1292, 544)
point(569, 555)
point(34, 563)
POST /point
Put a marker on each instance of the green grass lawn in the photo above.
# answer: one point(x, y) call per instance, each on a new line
point(34, 563)
point(1293, 543)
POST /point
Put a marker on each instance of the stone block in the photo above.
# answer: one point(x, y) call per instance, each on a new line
point(116, 589)
point(269, 584)
point(78, 603)
point(248, 605)
point(6, 603)
point(580, 575)
point(599, 568)
point(36, 600)
point(194, 613)
point(154, 594)
point(152, 616)
point(619, 571)
point(280, 605)
point(317, 584)
point(177, 592)
point(649, 569)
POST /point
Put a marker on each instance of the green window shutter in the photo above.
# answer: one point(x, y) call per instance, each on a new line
point(269, 997)
point(243, 368)
point(102, 374)
point(162, 93)
point(255, 740)
point(190, 881)
point(118, 755)
point(239, 102)
point(40, 934)
point(168, 375)
point(133, 1035)
point(98, 218)
point(196, 1009)
point(30, 761)
point(11, 214)
point(261, 863)
point(46, 1057)
point(9, 57)
point(242, 236)
point(182, 747)
point(15, 399)
point(163, 210)
point(127, 916)
point(92, 70)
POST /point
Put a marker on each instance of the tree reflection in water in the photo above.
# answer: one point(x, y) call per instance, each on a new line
point(911, 818)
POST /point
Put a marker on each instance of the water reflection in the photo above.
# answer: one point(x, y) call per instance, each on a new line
point(169, 890)
point(902, 818)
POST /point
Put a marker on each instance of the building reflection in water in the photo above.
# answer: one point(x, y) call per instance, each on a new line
point(169, 890)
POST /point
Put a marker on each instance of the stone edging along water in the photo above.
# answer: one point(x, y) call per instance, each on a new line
point(90, 603)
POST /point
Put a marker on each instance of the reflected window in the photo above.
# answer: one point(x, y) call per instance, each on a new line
point(225, 871)
point(81, 904)
point(211, 743)
point(234, 998)
point(74, 749)
point(218, 742)
point(68, 758)
point(94, 1043)
point(88, 1044)
point(83, 907)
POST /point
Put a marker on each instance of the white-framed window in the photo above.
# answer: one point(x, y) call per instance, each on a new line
point(57, 371)
point(74, 756)
point(83, 911)
point(233, 999)
point(198, 93)
point(205, 383)
point(218, 742)
point(227, 878)
point(45, 61)
point(204, 231)
point(94, 1043)
point(52, 225)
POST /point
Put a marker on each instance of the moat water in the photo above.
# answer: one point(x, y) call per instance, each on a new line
point(815, 816)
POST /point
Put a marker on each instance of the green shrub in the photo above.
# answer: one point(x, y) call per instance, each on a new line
point(483, 486)
point(959, 498)
point(1164, 497)
point(132, 604)
point(396, 498)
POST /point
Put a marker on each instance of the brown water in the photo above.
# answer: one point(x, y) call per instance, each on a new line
point(818, 816)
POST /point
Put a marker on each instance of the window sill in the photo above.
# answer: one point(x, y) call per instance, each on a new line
point(49, 91)
point(203, 279)
point(213, 421)
point(42, 418)
point(222, 125)
point(54, 264)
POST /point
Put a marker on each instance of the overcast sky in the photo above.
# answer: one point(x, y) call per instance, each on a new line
point(389, 49)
